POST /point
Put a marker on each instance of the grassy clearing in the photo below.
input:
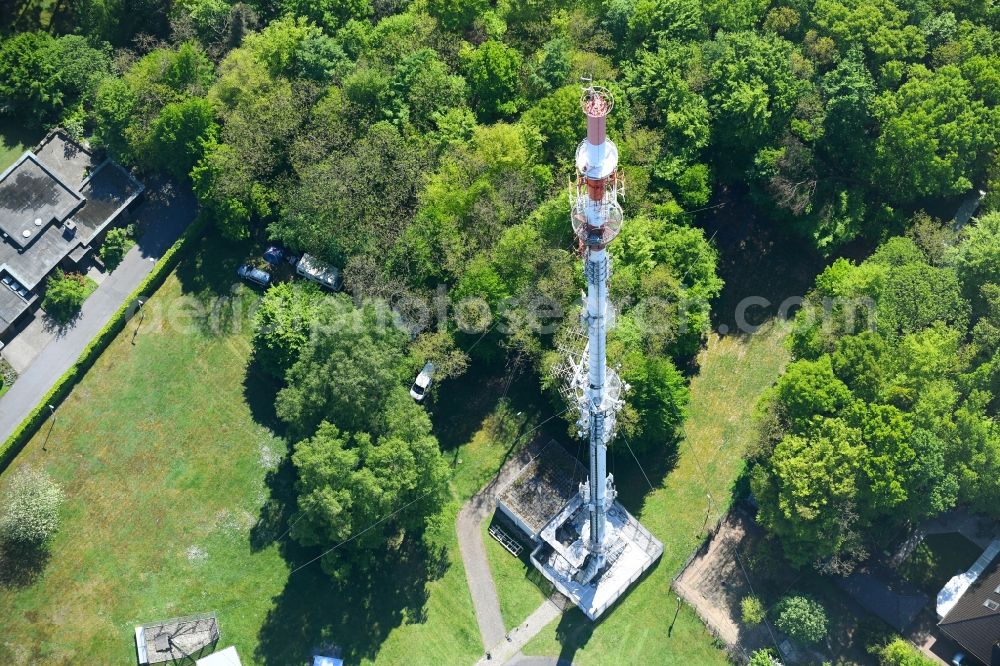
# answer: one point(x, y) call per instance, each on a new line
point(172, 462)
point(648, 627)
point(162, 467)
point(14, 140)
point(520, 588)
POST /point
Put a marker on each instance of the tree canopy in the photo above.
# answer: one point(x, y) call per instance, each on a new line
point(885, 418)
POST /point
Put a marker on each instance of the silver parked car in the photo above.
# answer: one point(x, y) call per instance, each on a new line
point(255, 275)
point(423, 382)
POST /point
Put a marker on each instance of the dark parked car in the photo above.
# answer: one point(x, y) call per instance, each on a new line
point(254, 275)
point(274, 254)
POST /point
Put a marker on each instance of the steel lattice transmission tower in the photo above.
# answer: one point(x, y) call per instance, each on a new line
point(597, 217)
point(592, 549)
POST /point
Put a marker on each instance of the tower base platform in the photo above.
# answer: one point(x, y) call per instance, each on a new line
point(560, 539)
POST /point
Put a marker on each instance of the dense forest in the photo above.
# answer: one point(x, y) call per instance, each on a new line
point(888, 415)
point(426, 145)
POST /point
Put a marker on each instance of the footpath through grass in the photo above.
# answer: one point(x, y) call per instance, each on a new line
point(648, 627)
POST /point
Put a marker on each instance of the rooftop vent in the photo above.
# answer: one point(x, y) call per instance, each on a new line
point(26, 233)
point(38, 221)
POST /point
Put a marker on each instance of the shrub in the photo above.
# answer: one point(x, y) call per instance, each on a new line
point(116, 244)
point(753, 610)
point(64, 295)
point(31, 509)
point(802, 618)
point(901, 653)
point(763, 657)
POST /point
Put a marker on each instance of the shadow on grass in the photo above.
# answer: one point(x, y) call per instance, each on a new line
point(210, 271)
point(575, 630)
point(757, 258)
point(215, 301)
point(631, 476)
point(314, 611)
point(461, 404)
point(15, 134)
point(260, 391)
point(20, 566)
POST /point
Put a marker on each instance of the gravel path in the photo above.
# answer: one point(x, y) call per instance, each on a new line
point(522, 660)
point(477, 568)
point(509, 651)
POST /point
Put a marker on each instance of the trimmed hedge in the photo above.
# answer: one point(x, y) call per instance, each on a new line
point(30, 425)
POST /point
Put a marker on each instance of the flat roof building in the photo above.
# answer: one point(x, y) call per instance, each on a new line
point(226, 657)
point(547, 502)
point(56, 202)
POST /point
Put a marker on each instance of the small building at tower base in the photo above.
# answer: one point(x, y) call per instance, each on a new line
point(547, 502)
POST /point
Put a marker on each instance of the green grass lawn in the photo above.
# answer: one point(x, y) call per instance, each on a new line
point(167, 461)
point(520, 588)
point(170, 454)
point(643, 627)
point(14, 140)
point(937, 559)
point(164, 472)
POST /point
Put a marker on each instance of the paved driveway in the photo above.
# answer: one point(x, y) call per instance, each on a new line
point(165, 213)
point(500, 645)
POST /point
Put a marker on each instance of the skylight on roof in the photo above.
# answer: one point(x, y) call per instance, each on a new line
point(992, 605)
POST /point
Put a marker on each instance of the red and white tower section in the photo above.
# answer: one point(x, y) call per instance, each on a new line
point(594, 549)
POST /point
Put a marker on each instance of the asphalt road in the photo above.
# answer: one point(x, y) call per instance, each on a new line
point(165, 212)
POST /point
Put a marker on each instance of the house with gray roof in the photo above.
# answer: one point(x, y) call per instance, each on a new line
point(56, 204)
point(969, 607)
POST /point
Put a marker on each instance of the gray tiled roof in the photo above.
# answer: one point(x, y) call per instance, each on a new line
point(974, 624)
point(71, 189)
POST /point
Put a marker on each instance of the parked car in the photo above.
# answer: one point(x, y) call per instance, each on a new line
point(959, 659)
point(254, 275)
point(423, 382)
point(274, 254)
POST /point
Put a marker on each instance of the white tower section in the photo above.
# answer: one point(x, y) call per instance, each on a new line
point(597, 218)
point(592, 549)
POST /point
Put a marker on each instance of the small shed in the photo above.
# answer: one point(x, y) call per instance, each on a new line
point(541, 489)
point(176, 639)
